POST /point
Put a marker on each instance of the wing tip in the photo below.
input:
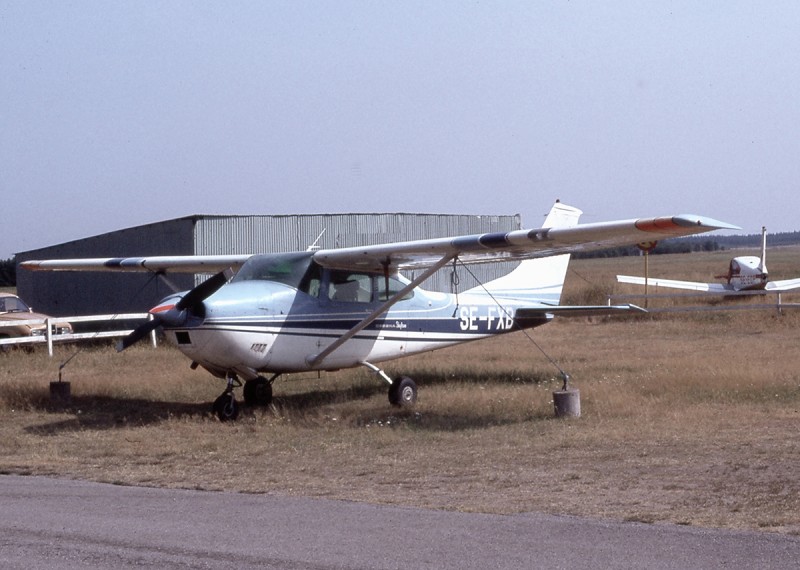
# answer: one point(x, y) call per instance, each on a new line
point(690, 220)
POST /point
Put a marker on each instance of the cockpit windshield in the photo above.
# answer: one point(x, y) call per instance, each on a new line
point(291, 269)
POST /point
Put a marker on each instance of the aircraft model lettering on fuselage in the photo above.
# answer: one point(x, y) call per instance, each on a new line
point(745, 273)
point(327, 309)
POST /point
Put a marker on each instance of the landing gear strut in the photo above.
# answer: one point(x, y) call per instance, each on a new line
point(402, 390)
point(226, 407)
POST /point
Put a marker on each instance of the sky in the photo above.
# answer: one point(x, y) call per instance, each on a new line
point(116, 114)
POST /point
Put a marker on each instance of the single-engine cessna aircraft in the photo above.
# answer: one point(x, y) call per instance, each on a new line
point(745, 273)
point(339, 308)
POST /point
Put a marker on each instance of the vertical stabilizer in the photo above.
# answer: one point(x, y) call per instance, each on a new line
point(537, 280)
point(562, 216)
point(763, 265)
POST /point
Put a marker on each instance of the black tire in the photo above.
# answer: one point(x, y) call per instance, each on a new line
point(258, 392)
point(403, 392)
point(226, 407)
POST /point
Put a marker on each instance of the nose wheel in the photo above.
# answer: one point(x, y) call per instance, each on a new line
point(226, 407)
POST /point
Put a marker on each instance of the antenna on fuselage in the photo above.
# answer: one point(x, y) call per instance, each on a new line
point(314, 246)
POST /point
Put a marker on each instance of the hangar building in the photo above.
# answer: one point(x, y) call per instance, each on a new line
point(90, 293)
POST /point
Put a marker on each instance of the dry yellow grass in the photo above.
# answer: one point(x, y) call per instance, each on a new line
point(690, 419)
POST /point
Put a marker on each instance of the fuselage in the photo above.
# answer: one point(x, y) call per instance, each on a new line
point(263, 321)
point(747, 273)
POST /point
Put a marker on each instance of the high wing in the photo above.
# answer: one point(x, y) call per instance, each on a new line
point(785, 285)
point(516, 245)
point(418, 254)
point(159, 264)
point(675, 284)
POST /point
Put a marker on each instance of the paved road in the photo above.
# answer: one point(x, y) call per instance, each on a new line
point(55, 523)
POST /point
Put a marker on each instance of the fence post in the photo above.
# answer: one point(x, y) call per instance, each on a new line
point(152, 332)
point(49, 335)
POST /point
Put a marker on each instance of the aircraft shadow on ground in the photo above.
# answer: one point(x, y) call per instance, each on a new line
point(105, 412)
point(383, 414)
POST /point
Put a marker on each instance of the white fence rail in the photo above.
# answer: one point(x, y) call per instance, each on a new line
point(50, 337)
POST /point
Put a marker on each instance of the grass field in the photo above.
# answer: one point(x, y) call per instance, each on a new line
point(689, 418)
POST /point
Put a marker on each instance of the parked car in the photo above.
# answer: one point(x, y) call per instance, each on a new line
point(13, 309)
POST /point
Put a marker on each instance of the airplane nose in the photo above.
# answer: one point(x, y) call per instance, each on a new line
point(172, 314)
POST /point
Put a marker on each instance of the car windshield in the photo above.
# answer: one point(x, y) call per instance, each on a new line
point(13, 305)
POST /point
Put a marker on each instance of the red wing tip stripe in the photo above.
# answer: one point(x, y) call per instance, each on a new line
point(659, 225)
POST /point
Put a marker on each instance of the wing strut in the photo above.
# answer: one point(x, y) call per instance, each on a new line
point(315, 359)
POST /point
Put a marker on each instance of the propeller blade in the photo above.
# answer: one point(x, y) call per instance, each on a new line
point(190, 301)
point(204, 290)
point(138, 333)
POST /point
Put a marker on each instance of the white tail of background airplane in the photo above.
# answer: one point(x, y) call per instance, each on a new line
point(763, 265)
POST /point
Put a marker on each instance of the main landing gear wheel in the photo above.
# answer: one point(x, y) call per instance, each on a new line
point(258, 392)
point(226, 407)
point(403, 392)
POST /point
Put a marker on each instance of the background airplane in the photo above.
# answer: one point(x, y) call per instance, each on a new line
point(745, 273)
point(340, 308)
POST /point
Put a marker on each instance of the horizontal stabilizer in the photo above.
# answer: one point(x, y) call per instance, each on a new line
point(785, 285)
point(578, 311)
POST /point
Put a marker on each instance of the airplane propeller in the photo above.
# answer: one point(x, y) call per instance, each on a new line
point(191, 303)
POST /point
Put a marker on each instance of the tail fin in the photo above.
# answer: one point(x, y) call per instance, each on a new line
point(537, 280)
point(762, 266)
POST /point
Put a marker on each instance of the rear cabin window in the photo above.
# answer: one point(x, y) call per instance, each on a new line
point(355, 287)
point(395, 286)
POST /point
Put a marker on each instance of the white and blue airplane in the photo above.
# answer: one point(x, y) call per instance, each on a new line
point(341, 308)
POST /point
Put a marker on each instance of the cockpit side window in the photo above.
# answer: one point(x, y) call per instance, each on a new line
point(350, 286)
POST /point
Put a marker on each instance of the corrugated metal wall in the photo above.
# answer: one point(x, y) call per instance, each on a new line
point(76, 293)
point(249, 234)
